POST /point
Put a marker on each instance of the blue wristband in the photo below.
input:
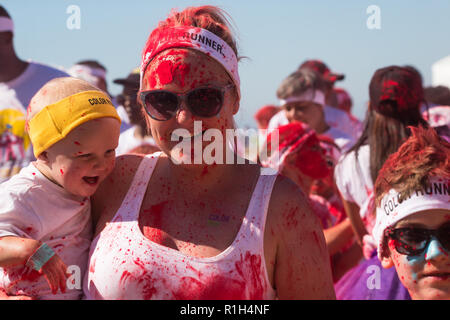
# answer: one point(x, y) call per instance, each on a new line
point(40, 257)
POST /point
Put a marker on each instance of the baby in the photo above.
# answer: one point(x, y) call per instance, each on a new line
point(45, 223)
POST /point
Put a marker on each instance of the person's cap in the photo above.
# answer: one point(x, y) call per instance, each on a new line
point(343, 98)
point(6, 23)
point(131, 79)
point(321, 68)
point(395, 84)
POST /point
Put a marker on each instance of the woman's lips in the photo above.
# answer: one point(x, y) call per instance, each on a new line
point(437, 276)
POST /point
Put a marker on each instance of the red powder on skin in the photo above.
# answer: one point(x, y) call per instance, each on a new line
point(316, 238)
point(152, 222)
point(61, 170)
point(181, 70)
point(204, 171)
point(165, 72)
point(291, 220)
point(77, 143)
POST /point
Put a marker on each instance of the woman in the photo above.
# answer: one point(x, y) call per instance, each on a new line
point(412, 227)
point(167, 229)
point(395, 97)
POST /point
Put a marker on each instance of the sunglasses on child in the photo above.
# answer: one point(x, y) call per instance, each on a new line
point(204, 102)
point(413, 241)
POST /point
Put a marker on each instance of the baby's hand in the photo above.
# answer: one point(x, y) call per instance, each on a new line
point(55, 273)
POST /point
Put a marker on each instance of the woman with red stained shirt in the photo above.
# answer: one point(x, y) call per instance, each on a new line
point(395, 97)
point(167, 229)
point(414, 234)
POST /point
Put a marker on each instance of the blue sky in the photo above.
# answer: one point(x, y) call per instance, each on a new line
point(276, 36)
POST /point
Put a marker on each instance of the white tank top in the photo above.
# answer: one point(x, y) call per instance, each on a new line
point(124, 264)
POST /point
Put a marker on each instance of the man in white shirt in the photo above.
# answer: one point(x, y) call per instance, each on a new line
point(19, 81)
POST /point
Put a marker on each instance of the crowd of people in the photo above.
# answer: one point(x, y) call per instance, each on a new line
point(99, 201)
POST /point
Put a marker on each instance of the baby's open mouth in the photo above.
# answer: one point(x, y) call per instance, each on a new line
point(91, 180)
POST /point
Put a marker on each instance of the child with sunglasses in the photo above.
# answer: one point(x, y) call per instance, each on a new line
point(170, 230)
point(412, 227)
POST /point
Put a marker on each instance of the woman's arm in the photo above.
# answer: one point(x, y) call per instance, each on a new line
point(338, 236)
point(302, 266)
point(352, 211)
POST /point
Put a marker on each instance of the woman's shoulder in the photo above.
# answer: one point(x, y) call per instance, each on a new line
point(119, 180)
point(288, 205)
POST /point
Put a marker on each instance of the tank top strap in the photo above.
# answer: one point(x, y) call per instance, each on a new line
point(131, 205)
point(259, 205)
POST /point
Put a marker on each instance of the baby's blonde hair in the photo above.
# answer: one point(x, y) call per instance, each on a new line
point(56, 90)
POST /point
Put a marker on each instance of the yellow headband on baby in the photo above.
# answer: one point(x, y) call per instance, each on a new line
point(55, 121)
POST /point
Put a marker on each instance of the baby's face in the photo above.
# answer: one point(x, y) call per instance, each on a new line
point(81, 161)
point(425, 275)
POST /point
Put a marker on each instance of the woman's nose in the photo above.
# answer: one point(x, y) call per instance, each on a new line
point(184, 115)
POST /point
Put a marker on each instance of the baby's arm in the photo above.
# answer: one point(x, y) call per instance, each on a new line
point(16, 251)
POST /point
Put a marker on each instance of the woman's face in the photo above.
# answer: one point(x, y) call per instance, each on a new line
point(179, 71)
point(307, 112)
point(427, 275)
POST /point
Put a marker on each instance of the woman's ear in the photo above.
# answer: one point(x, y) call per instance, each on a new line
point(236, 106)
point(236, 102)
point(387, 262)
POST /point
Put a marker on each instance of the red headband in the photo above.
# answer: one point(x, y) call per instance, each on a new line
point(193, 38)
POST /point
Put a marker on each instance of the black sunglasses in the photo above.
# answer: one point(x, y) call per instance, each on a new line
point(203, 102)
point(413, 241)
